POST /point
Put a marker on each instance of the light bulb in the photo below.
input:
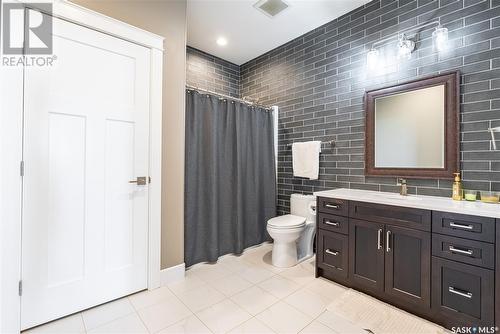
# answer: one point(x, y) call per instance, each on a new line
point(405, 47)
point(372, 59)
point(440, 39)
point(221, 41)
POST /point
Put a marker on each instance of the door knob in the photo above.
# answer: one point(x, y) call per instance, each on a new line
point(140, 181)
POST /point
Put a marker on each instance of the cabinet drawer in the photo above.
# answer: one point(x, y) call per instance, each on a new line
point(333, 252)
point(333, 223)
point(464, 226)
point(395, 215)
point(333, 206)
point(467, 251)
point(462, 295)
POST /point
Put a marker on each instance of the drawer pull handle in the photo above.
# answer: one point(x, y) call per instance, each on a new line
point(460, 251)
point(329, 251)
point(462, 226)
point(379, 239)
point(332, 206)
point(327, 222)
point(460, 293)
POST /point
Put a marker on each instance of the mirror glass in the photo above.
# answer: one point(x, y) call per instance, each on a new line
point(410, 129)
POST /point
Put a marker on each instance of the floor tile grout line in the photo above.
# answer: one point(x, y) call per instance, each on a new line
point(116, 319)
point(206, 325)
point(142, 321)
point(192, 311)
point(83, 322)
point(159, 302)
point(110, 321)
point(180, 301)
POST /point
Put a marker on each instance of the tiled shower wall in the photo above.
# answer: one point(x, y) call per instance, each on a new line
point(318, 81)
point(205, 71)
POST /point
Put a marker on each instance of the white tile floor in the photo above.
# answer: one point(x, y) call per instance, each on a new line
point(239, 294)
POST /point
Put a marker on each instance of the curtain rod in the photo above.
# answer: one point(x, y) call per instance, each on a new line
point(223, 96)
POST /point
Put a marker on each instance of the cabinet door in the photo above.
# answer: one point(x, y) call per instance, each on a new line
point(408, 266)
point(366, 255)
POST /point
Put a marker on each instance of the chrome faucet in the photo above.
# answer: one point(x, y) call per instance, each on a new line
point(404, 188)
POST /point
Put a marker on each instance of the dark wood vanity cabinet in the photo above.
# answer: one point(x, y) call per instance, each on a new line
point(438, 265)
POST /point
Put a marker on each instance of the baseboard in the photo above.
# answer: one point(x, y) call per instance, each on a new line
point(172, 274)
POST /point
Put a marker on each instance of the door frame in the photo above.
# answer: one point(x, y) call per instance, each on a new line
point(11, 151)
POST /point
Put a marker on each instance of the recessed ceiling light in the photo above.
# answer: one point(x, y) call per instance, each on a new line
point(221, 41)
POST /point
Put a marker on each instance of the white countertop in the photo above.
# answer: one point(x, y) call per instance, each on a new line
point(415, 201)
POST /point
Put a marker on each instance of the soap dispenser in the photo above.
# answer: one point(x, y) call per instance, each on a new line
point(457, 188)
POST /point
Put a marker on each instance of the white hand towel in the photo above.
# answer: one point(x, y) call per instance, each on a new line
point(305, 159)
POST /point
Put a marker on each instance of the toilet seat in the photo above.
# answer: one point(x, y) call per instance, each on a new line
point(286, 222)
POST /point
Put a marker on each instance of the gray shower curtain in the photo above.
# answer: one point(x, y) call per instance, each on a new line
point(230, 177)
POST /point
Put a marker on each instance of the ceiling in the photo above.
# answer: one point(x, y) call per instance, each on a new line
point(249, 32)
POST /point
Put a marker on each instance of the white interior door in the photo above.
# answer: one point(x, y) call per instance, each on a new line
point(85, 227)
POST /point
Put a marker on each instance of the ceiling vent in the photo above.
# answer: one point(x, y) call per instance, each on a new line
point(271, 7)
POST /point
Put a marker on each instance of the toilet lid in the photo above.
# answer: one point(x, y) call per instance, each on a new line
point(286, 221)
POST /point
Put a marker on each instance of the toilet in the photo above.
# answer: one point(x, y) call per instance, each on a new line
point(293, 234)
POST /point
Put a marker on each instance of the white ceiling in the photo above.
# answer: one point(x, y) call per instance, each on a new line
point(249, 32)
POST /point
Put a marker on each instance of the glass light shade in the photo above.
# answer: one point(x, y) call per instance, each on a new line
point(405, 47)
point(440, 39)
point(372, 59)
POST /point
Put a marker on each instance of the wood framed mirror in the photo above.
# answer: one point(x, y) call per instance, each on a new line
point(412, 129)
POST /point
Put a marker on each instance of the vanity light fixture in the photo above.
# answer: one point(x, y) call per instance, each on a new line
point(406, 45)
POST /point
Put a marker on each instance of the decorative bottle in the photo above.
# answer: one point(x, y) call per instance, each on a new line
point(457, 188)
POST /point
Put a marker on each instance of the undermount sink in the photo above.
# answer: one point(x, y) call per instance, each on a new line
point(402, 198)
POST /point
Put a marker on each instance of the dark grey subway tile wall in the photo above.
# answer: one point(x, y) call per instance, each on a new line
point(209, 72)
point(318, 81)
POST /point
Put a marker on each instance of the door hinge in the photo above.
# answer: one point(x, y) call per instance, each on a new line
point(149, 179)
point(21, 168)
point(20, 288)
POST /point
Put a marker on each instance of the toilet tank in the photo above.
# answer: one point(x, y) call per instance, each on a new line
point(303, 205)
